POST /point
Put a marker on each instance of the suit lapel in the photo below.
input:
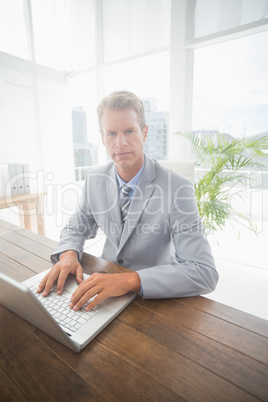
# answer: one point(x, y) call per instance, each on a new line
point(140, 199)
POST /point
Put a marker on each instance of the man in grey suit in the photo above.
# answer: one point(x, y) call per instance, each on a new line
point(148, 214)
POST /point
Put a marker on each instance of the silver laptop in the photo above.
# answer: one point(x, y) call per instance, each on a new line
point(52, 314)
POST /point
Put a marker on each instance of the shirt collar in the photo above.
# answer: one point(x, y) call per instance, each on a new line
point(133, 182)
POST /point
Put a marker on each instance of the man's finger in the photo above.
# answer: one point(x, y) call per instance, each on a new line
point(83, 297)
point(42, 283)
point(99, 298)
point(82, 288)
point(84, 294)
point(79, 274)
point(61, 281)
point(50, 281)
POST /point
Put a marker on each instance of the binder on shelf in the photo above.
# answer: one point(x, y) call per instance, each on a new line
point(26, 178)
point(5, 190)
point(20, 180)
point(13, 181)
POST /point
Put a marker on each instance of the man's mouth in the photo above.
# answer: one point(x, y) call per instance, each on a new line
point(122, 153)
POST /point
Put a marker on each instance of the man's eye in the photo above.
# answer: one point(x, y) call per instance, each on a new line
point(130, 131)
point(111, 133)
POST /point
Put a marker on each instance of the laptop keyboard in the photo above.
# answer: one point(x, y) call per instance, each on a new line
point(58, 307)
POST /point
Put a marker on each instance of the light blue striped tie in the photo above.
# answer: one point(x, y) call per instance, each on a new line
point(125, 202)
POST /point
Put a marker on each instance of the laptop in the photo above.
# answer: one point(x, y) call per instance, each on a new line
point(52, 314)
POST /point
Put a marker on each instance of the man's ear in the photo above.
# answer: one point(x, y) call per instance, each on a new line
point(145, 132)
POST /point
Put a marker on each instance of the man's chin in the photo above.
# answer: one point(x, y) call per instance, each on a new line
point(123, 164)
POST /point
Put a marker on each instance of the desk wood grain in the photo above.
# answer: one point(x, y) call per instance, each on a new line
point(190, 349)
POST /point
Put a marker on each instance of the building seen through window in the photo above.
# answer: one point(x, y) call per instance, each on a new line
point(156, 145)
point(85, 153)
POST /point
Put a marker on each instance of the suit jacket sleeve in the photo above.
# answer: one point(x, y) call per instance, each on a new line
point(81, 226)
point(193, 270)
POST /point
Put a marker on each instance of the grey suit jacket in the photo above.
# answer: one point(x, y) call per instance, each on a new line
point(162, 239)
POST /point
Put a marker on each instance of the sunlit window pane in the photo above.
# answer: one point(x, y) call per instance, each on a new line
point(231, 87)
point(64, 33)
point(85, 130)
point(134, 26)
point(13, 34)
point(147, 77)
point(213, 16)
point(231, 96)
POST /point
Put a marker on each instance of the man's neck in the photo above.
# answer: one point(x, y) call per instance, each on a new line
point(127, 174)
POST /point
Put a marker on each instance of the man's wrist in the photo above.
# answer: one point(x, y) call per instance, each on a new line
point(69, 254)
point(135, 282)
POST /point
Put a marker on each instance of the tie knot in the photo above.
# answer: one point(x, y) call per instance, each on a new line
point(125, 189)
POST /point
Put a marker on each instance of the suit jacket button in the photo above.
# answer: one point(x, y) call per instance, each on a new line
point(120, 261)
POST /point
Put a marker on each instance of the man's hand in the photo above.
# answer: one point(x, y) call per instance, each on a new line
point(102, 286)
point(67, 264)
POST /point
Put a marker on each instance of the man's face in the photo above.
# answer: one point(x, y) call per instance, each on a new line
point(123, 139)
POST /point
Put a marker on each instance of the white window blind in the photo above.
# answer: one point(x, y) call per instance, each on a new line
point(13, 29)
point(35, 118)
point(17, 116)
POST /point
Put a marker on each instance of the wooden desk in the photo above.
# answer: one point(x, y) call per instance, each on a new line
point(190, 349)
point(31, 209)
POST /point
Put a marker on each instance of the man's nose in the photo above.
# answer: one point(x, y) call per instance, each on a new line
point(121, 140)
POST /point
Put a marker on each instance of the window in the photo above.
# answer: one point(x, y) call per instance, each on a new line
point(85, 129)
point(231, 96)
point(231, 87)
point(13, 28)
point(213, 16)
point(64, 33)
point(131, 27)
point(146, 76)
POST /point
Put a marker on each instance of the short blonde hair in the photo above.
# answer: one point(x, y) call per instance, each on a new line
point(121, 100)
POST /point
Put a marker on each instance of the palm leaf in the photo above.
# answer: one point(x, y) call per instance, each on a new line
point(226, 164)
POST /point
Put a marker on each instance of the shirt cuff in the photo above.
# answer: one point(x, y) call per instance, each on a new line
point(141, 291)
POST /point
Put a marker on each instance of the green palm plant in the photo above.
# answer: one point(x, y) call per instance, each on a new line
point(223, 175)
